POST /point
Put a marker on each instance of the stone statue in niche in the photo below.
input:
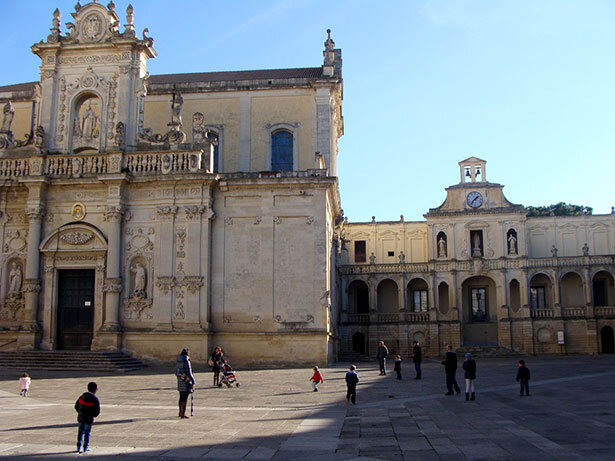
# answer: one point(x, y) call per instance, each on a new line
point(441, 247)
point(8, 112)
point(402, 257)
point(39, 136)
point(553, 251)
point(15, 279)
point(87, 122)
point(199, 133)
point(176, 108)
point(476, 251)
point(585, 249)
point(512, 244)
point(372, 258)
point(140, 279)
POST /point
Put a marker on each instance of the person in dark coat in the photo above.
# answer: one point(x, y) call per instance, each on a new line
point(417, 358)
point(523, 378)
point(450, 368)
point(215, 360)
point(185, 380)
point(88, 408)
point(397, 367)
point(469, 365)
point(381, 355)
point(352, 378)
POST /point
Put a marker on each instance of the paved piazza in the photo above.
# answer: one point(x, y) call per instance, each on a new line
point(275, 415)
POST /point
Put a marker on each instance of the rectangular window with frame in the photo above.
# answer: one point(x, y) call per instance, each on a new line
point(419, 300)
point(360, 253)
point(537, 297)
point(478, 301)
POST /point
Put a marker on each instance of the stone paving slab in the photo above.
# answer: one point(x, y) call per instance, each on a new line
point(274, 415)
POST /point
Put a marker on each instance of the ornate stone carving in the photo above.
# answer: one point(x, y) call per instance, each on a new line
point(8, 112)
point(114, 213)
point(174, 135)
point(228, 221)
point(372, 258)
point(194, 212)
point(120, 135)
point(54, 36)
point(179, 310)
point(140, 278)
point(193, 283)
point(31, 286)
point(138, 307)
point(199, 133)
point(181, 242)
point(112, 285)
point(277, 220)
point(139, 242)
point(165, 283)
point(258, 220)
point(35, 213)
point(167, 212)
point(309, 220)
point(77, 238)
point(553, 251)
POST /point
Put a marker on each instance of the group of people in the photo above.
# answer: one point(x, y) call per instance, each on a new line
point(88, 405)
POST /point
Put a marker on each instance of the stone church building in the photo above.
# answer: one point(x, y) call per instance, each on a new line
point(151, 213)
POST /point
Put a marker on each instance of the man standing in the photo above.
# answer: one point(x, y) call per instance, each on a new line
point(417, 358)
point(450, 368)
point(382, 355)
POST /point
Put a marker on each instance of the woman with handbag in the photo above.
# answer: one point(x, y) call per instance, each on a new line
point(214, 362)
point(185, 380)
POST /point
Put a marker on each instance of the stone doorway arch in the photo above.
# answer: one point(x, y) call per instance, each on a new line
point(74, 246)
point(358, 343)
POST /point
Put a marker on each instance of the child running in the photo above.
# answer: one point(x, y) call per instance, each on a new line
point(24, 384)
point(316, 379)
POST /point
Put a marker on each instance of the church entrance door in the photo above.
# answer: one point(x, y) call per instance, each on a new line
point(75, 309)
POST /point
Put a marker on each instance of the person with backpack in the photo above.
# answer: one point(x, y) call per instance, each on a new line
point(185, 380)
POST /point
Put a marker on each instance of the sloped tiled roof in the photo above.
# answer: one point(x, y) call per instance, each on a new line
point(17, 87)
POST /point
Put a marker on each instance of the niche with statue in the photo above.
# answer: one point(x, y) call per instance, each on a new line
point(86, 124)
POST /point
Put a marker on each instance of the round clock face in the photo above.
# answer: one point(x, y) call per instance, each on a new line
point(474, 199)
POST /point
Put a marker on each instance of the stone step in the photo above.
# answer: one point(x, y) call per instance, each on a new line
point(352, 357)
point(70, 360)
point(487, 351)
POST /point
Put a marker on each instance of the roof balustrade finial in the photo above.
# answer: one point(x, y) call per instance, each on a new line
point(78, 6)
point(130, 15)
point(111, 6)
point(329, 43)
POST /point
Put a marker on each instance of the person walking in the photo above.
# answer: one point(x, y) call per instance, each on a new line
point(24, 384)
point(523, 378)
point(450, 369)
point(88, 408)
point(214, 361)
point(382, 354)
point(469, 365)
point(352, 378)
point(417, 358)
point(185, 380)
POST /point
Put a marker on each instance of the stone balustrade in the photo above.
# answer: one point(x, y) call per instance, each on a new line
point(387, 317)
point(569, 312)
point(604, 311)
point(358, 318)
point(488, 264)
point(418, 317)
point(14, 167)
point(541, 313)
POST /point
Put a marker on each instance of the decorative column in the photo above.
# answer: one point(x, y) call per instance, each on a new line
point(113, 281)
point(344, 290)
point(403, 303)
point(32, 284)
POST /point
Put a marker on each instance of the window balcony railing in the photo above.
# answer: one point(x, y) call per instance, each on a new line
point(568, 312)
point(541, 313)
point(358, 318)
point(605, 311)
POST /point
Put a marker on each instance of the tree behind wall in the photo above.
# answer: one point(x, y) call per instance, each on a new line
point(559, 209)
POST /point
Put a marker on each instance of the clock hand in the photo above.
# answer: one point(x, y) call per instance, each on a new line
point(474, 200)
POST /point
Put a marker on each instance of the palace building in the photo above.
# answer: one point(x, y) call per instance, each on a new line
point(479, 272)
point(151, 213)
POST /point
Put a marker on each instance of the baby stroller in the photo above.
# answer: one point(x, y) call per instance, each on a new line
point(227, 375)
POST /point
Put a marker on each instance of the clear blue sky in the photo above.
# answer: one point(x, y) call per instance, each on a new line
point(527, 85)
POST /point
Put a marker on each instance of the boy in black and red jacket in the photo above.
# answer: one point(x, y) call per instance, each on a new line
point(88, 408)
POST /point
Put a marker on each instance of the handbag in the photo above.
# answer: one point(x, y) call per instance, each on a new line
point(210, 362)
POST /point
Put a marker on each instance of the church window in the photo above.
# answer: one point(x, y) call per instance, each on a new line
point(419, 300)
point(391, 253)
point(537, 297)
point(360, 254)
point(282, 151)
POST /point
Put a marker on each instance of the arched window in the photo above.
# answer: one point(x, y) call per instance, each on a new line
point(281, 151)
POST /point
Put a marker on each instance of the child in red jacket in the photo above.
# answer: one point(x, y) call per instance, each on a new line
point(316, 379)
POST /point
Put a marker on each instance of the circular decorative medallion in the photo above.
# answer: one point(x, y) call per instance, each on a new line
point(474, 199)
point(78, 211)
point(92, 27)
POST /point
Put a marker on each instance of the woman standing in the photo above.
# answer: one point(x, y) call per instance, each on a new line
point(185, 380)
point(469, 365)
point(214, 361)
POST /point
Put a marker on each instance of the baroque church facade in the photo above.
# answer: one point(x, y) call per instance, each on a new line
point(151, 213)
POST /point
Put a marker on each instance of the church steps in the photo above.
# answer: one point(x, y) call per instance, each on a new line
point(70, 360)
